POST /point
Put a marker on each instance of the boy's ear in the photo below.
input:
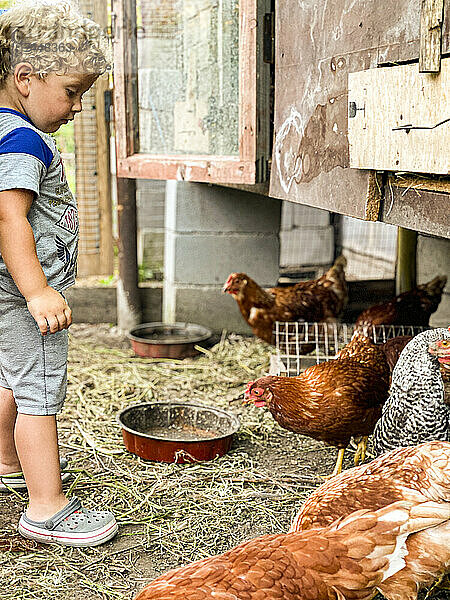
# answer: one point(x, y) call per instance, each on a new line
point(22, 75)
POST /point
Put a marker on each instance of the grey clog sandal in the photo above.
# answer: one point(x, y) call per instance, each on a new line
point(71, 526)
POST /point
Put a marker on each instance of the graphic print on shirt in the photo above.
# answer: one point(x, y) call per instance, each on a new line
point(69, 220)
point(65, 256)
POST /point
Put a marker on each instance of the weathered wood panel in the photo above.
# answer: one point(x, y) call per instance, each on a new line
point(420, 100)
point(430, 35)
point(317, 46)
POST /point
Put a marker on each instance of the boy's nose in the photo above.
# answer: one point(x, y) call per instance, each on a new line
point(77, 107)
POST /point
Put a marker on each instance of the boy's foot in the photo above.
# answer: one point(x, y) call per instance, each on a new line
point(16, 481)
point(71, 526)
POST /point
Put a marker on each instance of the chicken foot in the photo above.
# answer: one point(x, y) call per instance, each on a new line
point(440, 583)
point(360, 453)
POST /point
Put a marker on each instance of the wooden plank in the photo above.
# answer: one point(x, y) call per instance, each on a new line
point(375, 134)
point(211, 169)
point(420, 210)
point(431, 14)
point(106, 250)
point(248, 23)
point(120, 99)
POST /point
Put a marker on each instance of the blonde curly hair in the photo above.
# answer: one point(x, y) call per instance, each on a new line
point(52, 37)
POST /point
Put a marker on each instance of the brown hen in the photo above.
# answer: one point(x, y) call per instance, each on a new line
point(332, 401)
point(414, 307)
point(344, 561)
point(321, 299)
point(415, 474)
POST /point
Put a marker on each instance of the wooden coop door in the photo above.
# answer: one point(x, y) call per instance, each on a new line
point(315, 161)
point(191, 90)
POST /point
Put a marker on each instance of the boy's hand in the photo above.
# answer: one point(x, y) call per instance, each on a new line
point(50, 311)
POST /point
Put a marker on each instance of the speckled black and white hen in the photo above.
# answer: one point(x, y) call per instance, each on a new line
point(415, 411)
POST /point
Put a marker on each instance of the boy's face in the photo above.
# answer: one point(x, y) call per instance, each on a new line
point(56, 99)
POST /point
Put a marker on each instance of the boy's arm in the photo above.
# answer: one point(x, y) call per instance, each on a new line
point(18, 249)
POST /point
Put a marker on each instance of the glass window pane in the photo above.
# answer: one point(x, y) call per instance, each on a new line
point(188, 76)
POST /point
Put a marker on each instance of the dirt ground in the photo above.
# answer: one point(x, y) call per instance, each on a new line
point(273, 470)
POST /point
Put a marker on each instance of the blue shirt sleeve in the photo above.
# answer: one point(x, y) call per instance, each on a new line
point(24, 140)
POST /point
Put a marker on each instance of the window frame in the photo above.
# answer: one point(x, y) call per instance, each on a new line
point(242, 169)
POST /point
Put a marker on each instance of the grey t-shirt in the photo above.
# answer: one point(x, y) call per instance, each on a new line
point(30, 160)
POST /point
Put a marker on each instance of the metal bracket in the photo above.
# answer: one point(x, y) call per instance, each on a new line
point(352, 108)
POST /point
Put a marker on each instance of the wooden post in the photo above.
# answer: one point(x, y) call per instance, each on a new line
point(431, 16)
point(405, 275)
point(106, 251)
point(129, 310)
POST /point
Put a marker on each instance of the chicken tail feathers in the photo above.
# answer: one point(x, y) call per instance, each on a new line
point(377, 541)
point(340, 262)
point(435, 287)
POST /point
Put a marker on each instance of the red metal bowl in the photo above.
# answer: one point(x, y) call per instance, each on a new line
point(177, 432)
point(162, 340)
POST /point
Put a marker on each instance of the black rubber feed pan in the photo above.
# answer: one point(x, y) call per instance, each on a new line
point(162, 340)
point(177, 432)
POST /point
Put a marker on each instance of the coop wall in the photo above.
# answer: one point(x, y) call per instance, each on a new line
point(433, 258)
point(211, 232)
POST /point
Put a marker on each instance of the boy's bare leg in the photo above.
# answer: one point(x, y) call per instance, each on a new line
point(37, 446)
point(9, 461)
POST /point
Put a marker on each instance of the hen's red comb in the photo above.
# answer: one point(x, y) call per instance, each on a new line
point(249, 385)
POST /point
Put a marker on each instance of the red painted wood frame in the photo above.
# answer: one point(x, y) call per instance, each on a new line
point(203, 168)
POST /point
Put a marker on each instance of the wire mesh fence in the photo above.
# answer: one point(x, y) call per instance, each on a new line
point(300, 345)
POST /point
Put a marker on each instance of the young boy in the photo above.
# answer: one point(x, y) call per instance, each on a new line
point(49, 57)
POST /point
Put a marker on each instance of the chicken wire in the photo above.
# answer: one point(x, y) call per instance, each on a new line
point(310, 238)
point(300, 345)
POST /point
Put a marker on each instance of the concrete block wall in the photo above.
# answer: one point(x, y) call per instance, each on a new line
point(211, 232)
point(433, 258)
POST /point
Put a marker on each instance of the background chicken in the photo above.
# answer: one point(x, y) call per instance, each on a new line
point(331, 401)
point(393, 347)
point(416, 474)
point(321, 299)
point(410, 308)
point(415, 411)
point(343, 561)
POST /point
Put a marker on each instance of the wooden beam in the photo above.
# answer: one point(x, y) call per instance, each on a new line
point(431, 16)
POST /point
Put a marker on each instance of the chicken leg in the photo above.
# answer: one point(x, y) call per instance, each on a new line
point(360, 453)
point(338, 466)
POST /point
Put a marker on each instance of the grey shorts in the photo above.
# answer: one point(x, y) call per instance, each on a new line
point(33, 366)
